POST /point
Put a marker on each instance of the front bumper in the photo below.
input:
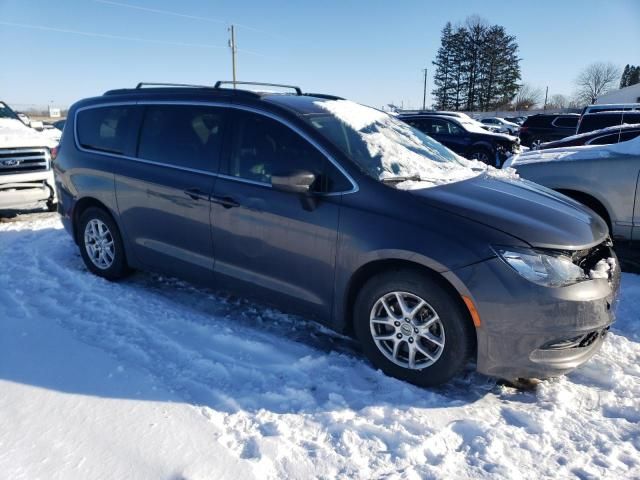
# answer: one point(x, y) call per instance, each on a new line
point(24, 189)
point(530, 331)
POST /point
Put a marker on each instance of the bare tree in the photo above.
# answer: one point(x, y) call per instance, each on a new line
point(596, 79)
point(527, 97)
point(558, 101)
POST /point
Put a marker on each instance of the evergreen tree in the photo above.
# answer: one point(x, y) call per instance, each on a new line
point(477, 66)
point(624, 78)
point(634, 76)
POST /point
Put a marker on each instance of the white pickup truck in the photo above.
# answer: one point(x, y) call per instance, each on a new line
point(26, 177)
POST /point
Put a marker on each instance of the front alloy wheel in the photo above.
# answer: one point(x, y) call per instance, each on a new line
point(407, 330)
point(414, 327)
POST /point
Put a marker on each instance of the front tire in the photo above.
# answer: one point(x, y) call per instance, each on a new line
point(482, 154)
point(412, 328)
point(101, 244)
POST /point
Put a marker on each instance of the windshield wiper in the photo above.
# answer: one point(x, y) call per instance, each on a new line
point(415, 178)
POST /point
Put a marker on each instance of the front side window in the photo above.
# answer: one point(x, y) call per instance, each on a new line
point(263, 147)
point(182, 136)
point(6, 112)
point(106, 129)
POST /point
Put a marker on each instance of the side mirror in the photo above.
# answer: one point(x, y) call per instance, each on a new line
point(297, 182)
point(36, 125)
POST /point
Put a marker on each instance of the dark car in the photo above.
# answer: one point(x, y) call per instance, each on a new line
point(604, 136)
point(599, 120)
point(465, 137)
point(546, 127)
point(344, 214)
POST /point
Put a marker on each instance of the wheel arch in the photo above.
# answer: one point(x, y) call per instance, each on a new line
point(590, 201)
point(376, 267)
point(81, 206)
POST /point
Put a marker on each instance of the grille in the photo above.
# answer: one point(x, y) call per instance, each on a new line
point(23, 160)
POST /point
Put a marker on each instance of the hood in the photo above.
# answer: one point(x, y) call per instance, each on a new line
point(525, 210)
point(15, 134)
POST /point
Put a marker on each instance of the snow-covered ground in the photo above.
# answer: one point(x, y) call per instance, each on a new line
point(154, 379)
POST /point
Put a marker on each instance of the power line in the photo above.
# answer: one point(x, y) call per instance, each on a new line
point(109, 36)
point(163, 12)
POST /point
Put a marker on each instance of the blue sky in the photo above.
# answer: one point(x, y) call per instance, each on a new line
point(368, 51)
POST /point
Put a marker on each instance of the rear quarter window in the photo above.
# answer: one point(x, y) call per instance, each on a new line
point(105, 129)
point(566, 122)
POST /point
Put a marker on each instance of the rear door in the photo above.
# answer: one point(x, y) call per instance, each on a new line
point(163, 193)
point(272, 244)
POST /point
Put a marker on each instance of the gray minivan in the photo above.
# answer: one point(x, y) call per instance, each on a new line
point(344, 214)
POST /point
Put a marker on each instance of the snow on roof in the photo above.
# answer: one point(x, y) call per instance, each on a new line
point(585, 152)
point(399, 151)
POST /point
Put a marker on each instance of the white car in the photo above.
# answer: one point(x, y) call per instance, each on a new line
point(506, 126)
point(26, 177)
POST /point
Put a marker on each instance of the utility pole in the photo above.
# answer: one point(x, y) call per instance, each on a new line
point(424, 94)
point(546, 94)
point(234, 50)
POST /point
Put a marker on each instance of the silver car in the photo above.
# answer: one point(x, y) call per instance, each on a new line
point(603, 177)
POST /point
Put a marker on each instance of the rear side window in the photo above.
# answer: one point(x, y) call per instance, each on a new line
point(106, 129)
point(566, 122)
point(182, 136)
point(597, 121)
point(629, 135)
point(605, 139)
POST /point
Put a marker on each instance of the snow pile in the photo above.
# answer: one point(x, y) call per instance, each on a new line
point(586, 152)
point(151, 378)
point(397, 151)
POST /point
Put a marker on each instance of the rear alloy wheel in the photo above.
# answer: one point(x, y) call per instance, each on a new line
point(101, 245)
point(413, 328)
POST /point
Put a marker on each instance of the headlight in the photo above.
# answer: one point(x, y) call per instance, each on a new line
point(543, 268)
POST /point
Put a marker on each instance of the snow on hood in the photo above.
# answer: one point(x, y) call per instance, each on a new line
point(15, 134)
point(398, 151)
point(586, 152)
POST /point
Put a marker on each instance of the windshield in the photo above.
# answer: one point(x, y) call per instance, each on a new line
point(387, 149)
point(6, 112)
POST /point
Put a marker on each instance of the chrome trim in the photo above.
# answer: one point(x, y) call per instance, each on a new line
point(328, 156)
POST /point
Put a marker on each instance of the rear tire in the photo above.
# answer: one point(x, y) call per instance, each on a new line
point(101, 244)
point(482, 154)
point(447, 342)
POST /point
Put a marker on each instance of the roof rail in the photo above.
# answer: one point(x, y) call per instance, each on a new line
point(155, 84)
point(219, 84)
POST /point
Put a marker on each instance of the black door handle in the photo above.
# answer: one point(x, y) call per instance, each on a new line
point(226, 202)
point(196, 194)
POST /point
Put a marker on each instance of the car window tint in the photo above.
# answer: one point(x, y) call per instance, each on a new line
point(106, 129)
point(263, 147)
point(566, 122)
point(604, 139)
point(453, 129)
point(629, 135)
point(182, 135)
point(591, 122)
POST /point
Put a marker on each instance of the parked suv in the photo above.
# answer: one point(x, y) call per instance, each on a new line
point(26, 177)
point(465, 137)
point(599, 120)
point(343, 213)
point(545, 127)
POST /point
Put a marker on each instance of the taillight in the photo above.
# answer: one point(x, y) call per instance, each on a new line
point(53, 152)
point(523, 129)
